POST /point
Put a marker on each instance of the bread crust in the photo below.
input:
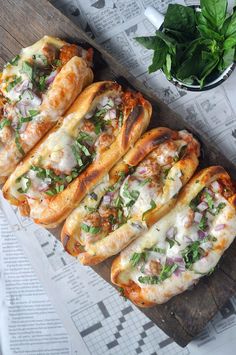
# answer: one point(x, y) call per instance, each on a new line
point(57, 208)
point(69, 82)
point(151, 295)
point(114, 242)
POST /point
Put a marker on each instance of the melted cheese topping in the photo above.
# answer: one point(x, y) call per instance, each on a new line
point(214, 246)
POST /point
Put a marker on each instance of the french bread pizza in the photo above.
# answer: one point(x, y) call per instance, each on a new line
point(184, 245)
point(36, 88)
point(139, 189)
point(75, 155)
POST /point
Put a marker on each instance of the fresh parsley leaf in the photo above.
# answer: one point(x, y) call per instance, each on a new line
point(90, 229)
point(195, 202)
point(158, 250)
point(137, 258)
point(180, 18)
point(90, 209)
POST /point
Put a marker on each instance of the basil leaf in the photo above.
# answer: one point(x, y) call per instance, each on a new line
point(180, 18)
point(90, 229)
point(159, 58)
point(137, 258)
point(149, 280)
point(230, 25)
point(214, 11)
point(192, 253)
point(5, 122)
point(207, 33)
point(150, 42)
point(170, 42)
point(167, 271)
point(230, 42)
point(227, 59)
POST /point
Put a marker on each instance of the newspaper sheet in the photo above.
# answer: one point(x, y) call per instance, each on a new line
point(50, 304)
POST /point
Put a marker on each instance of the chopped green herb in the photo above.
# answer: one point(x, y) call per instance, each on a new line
point(158, 250)
point(77, 154)
point(42, 83)
point(15, 60)
point(137, 258)
point(209, 199)
point(203, 223)
point(5, 122)
point(167, 271)
point(220, 207)
point(112, 219)
point(150, 280)
point(171, 242)
point(153, 205)
point(27, 69)
point(120, 119)
point(33, 113)
point(90, 229)
point(18, 144)
point(145, 181)
point(51, 192)
point(90, 209)
point(13, 83)
point(195, 202)
point(122, 293)
point(131, 195)
point(166, 172)
point(192, 253)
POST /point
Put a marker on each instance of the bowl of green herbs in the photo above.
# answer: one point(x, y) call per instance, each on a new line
point(195, 46)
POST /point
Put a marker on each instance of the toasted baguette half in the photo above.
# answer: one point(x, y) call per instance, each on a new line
point(36, 89)
point(138, 191)
point(184, 245)
point(99, 128)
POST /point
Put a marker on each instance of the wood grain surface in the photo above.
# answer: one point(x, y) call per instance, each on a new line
point(24, 21)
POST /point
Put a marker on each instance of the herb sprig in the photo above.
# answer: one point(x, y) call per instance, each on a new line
point(194, 47)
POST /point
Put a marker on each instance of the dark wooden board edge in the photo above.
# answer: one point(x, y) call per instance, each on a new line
point(183, 317)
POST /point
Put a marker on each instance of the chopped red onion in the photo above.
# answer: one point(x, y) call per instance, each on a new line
point(106, 199)
point(22, 86)
point(202, 206)
point(51, 77)
point(30, 197)
point(219, 227)
point(197, 217)
point(187, 239)
point(141, 170)
point(201, 234)
point(171, 232)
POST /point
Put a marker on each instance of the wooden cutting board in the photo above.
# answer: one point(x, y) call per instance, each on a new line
point(23, 22)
